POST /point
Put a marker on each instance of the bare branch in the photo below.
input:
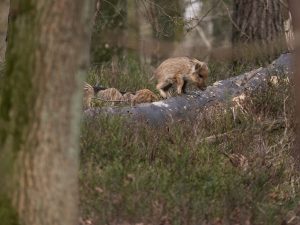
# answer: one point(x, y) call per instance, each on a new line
point(232, 21)
point(202, 17)
point(284, 4)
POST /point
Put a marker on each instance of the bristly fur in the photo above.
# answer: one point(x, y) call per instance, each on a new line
point(110, 94)
point(143, 96)
point(180, 70)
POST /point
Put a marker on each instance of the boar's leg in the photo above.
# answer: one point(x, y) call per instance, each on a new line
point(180, 84)
point(163, 87)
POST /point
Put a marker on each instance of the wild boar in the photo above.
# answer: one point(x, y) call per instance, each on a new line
point(180, 70)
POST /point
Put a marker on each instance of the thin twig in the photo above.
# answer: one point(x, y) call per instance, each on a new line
point(202, 17)
point(159, 7)
point(231, 20)
point(267, 126)
point(285, 121)
point(284, 4)
point(97, 11)
point(214, 138)
point(104, 100)
point(117, 11)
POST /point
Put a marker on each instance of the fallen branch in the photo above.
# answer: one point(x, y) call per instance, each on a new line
point(188, 107)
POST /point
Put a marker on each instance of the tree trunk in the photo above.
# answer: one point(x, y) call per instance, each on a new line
point(47, 55)
point(4, 8)
point(294, 6)
point(288, 25)
point(133, 39)
point(259, 23)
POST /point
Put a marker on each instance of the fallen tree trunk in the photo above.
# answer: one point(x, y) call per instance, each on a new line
point(188, 106)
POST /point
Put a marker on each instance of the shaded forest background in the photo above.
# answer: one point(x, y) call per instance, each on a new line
point(133, 173)
point(150, 31)
point(133, 37)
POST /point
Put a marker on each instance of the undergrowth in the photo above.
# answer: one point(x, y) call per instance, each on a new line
point(133, 173)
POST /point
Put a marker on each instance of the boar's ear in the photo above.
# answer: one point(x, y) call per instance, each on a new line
point(198, 67)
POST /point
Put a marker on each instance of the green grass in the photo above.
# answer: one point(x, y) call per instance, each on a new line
point(125, 74)
point(223, 70)
point(134, 173)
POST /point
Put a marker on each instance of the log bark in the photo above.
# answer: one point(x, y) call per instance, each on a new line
point(47, 56)
point(186, 107)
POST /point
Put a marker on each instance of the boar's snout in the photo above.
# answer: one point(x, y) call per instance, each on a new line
point(202, 86)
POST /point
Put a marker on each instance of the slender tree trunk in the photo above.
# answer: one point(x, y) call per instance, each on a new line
point(258, 23)
point(133, 29)
point(288, 25)
point(46, 57)
point(4, 8)
point(295, 12)
point(108, 31)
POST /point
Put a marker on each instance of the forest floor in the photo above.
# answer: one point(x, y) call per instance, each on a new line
point(138, 174)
